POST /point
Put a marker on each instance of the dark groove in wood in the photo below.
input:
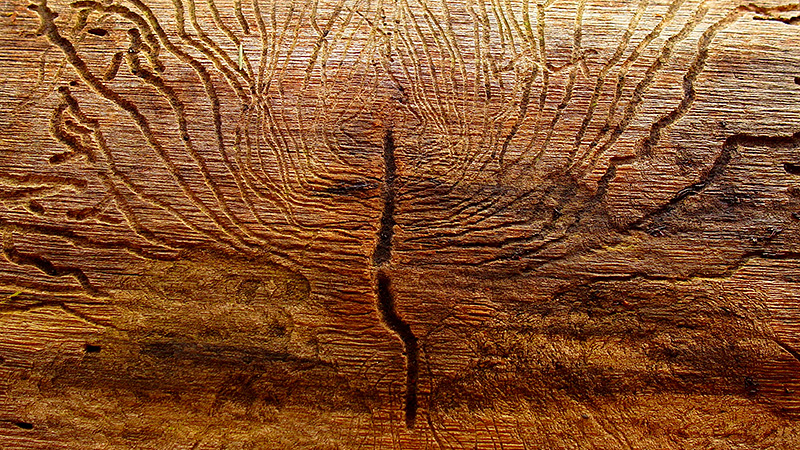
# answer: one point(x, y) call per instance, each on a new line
point(395, 323)
point(385, 300)
point(383, 250)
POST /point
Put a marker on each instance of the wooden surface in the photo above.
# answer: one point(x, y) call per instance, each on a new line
point(341, 224)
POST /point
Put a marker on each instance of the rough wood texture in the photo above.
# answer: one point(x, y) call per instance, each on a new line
point(341, 224)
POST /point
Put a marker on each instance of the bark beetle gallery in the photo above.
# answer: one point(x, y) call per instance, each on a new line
point(400, 224)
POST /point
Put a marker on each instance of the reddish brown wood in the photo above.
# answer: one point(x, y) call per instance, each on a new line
point(410, 224)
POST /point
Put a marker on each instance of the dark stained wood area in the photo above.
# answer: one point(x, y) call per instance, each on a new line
point(405, 224)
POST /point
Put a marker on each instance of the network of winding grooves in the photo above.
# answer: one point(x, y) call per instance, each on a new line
point(300, 103)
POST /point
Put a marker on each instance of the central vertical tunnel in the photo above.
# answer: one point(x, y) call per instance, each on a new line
point(381, 258)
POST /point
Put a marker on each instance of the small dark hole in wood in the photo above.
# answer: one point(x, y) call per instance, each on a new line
point(98, 32)
point(791, 168)
point(751, 385)
point(73, 83)
point(24, 425)
point(92, 348)
point(60, 158)
point(796, 80)
point(35, 207)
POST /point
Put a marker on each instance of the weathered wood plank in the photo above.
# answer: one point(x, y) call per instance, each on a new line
point(409, 224)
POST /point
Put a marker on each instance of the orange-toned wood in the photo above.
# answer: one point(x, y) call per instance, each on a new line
point(342, 224)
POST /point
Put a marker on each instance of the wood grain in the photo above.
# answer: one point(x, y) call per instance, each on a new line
point(341, 224)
